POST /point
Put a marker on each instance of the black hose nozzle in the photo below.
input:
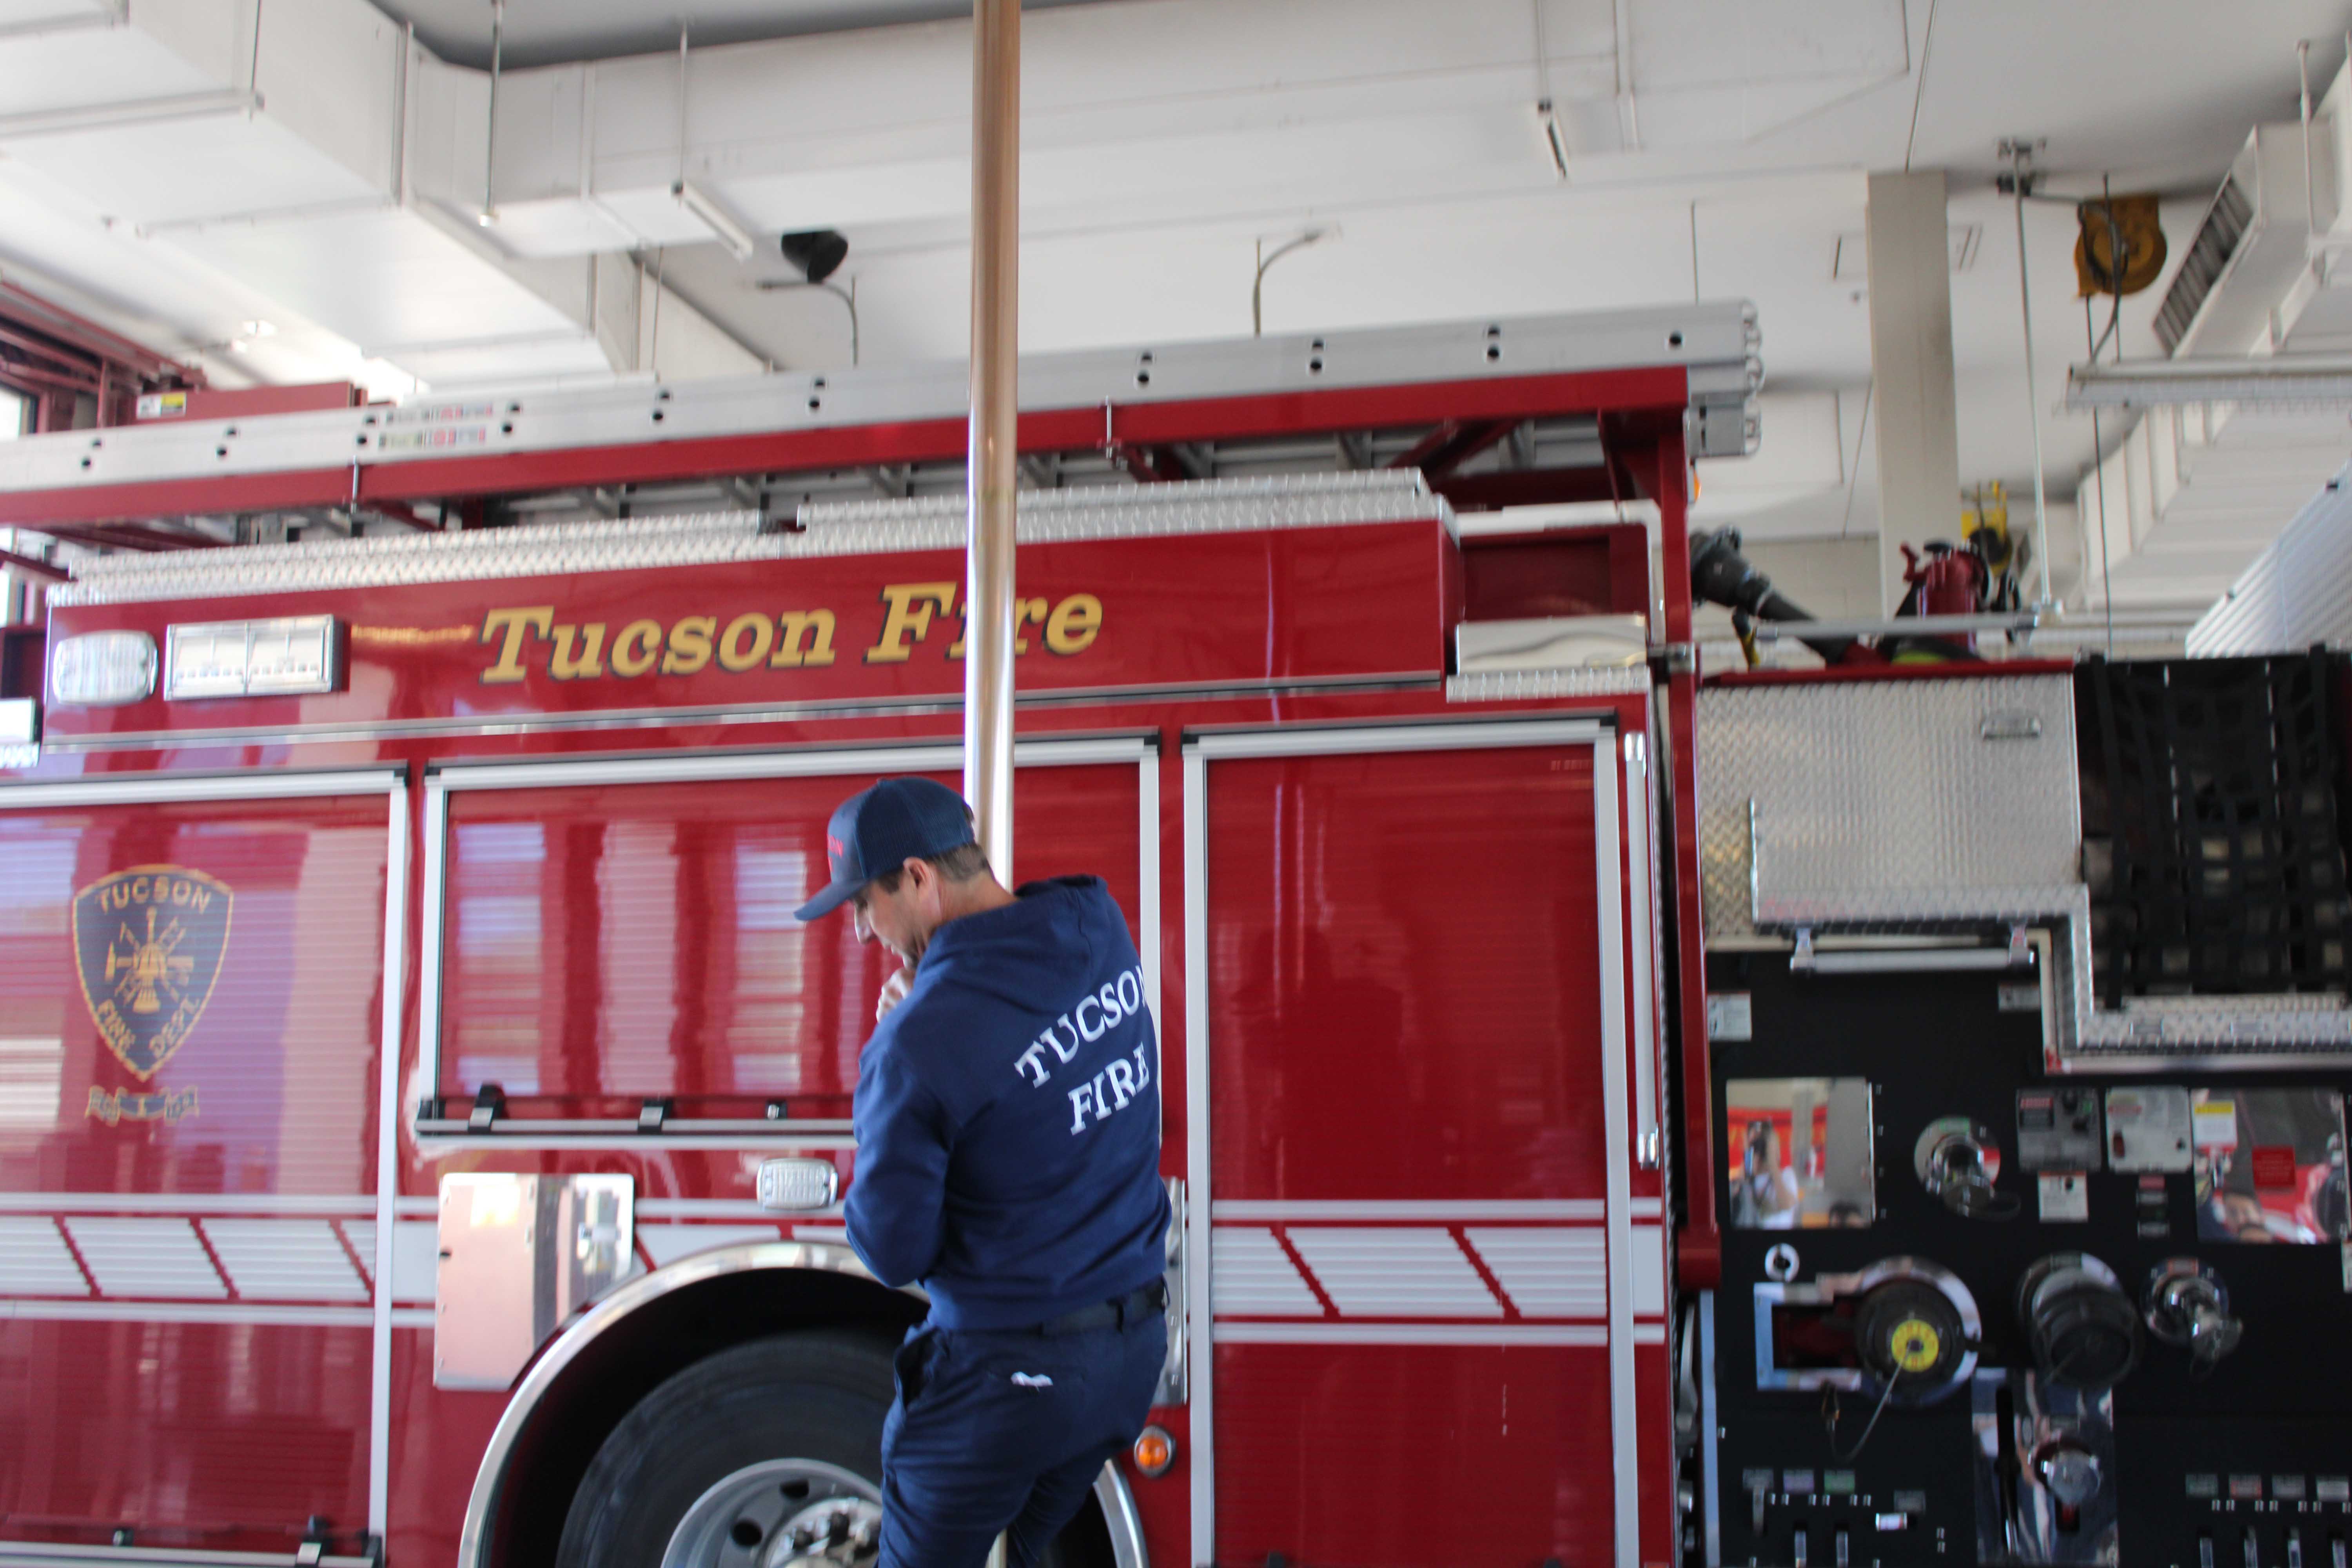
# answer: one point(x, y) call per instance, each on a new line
point(1721, 575)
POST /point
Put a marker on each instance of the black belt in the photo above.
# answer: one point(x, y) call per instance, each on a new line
point(1133, 1306)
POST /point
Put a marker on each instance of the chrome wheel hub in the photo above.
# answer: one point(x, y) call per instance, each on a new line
point(781, 1513)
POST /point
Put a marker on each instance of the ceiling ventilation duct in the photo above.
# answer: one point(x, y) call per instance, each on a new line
point(2215, 245)
point(2298, 592)
point(2198, 488)
point(2254, 241)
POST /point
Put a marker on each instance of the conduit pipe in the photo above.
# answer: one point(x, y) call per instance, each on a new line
point(2018, 151)
point(992, 458)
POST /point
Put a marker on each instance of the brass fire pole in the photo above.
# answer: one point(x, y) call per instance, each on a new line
point(995, 393)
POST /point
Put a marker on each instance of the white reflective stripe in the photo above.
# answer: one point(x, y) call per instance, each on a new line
point(145, 1258)
point(1649, 1270)
point(442, 1144)
point(702, 1208)
point(416, 1255)
point(1199, 1282)
point(1250, 1274)
point(188, 1312)
point(1649, 1333)
point(1395, 1271)
point(269, 783)
point(43, 1555)
point(415, 1259)
point(1445, 735)
point(183, 1203)
point(665, 1243)
point(393, 996)
point(1642, 930)
point(361, 1234)
point(1412, 1208)
point(1646, 1208)
point(1549, 1271)
point(1581, 1334)
point(35, 1260)
point(1610, 978)
point(285, 1260)
point(771, 764)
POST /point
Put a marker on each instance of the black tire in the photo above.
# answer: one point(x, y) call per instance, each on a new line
point(818, 1396)
point(814, 1396)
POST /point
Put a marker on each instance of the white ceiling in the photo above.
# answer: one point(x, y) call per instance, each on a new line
point(1167, 138)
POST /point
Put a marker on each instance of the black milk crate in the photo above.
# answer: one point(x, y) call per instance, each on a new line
point(2213, 840)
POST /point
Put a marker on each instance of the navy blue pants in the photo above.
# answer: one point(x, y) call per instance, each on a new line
point(1006, 1432)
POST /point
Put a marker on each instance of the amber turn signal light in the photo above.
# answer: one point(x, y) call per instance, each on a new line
point(1154, 1451)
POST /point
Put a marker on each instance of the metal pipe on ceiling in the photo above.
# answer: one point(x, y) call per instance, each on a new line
point(991, 460)
point(489, 213)
point(2018, 151)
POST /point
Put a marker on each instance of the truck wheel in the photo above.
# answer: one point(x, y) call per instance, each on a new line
point(766, 1454)
point(778, 1438)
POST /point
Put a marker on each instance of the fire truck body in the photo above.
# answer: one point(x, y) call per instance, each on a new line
point(425, 1068)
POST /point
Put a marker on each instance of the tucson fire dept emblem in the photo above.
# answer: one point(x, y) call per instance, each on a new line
point(148, 944)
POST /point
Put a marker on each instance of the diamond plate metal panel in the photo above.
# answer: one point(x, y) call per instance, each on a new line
point(1135, 512)
point(1296, 500)
point(1887, 803)
point(2156, 1033)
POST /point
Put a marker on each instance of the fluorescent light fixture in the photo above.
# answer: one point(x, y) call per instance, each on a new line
point(716, 218)
point(2285, 382)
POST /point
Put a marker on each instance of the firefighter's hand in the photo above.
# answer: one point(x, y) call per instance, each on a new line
point(894, 991)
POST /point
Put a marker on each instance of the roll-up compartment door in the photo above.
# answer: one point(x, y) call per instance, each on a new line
point(1413, 999)
point(191, 1004)
point(620, 942)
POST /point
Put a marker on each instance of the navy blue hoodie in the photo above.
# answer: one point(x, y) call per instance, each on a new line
point(1008, 1117)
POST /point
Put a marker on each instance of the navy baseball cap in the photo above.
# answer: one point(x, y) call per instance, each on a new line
point(880, 830)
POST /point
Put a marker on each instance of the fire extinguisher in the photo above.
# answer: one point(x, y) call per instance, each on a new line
point(1948, 582)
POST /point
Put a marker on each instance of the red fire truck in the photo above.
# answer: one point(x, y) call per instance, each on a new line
point(417, 1099)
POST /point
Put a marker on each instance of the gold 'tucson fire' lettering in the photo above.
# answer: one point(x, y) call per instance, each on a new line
point(529, 635)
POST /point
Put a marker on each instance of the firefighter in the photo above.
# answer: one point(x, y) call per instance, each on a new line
point(1008, 1158)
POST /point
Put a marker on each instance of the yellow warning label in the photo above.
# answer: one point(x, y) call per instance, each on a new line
point(1915, 1345)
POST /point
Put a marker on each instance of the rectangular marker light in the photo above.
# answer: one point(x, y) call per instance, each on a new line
point(292, 656)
